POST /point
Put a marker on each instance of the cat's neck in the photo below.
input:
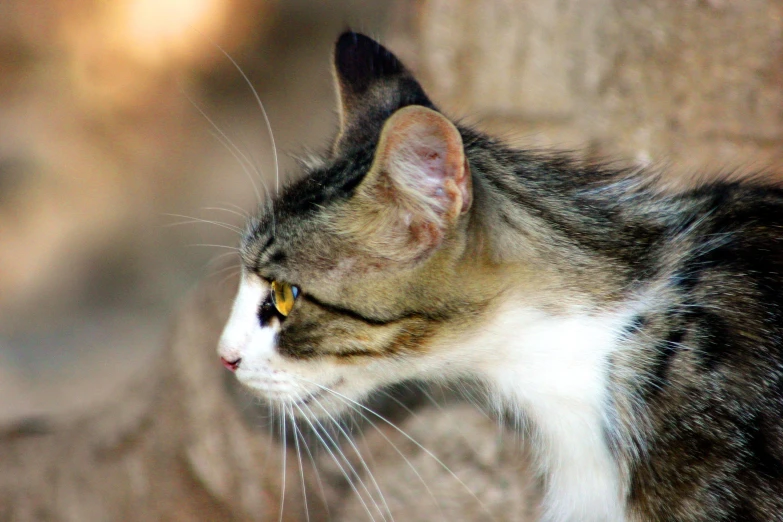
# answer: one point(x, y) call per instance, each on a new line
point(552, 372)
point(557, 329)
point(586, 233)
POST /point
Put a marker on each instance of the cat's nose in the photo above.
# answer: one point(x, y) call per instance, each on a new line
point(230, 355)
point(231, 364)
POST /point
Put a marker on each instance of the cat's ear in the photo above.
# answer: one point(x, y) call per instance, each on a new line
point(417, 188)
point(371, 84)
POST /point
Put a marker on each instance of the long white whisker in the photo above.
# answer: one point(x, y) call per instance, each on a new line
point(236, 268)
point(235, 151)
point(192, 220)
point(230, 211)
point(402, 455)
point(315, 469)
point(226, 142)
point(285, 450)
point(367, 449)
point(268, 127)
point(345, 458)
point(252, 161)
point(241, 212)
point(235, 249)
point(402, 405)
point(263, 112)
point(301, 467)
point(468, 395)
point(336, 460)
point(218, 257)
point(404, 434)
point(361, 459)
point(271, 417)
point(228, 277)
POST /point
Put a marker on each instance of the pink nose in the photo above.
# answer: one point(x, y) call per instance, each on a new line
point(231, 365)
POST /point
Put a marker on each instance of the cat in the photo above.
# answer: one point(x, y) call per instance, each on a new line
point(635, 334)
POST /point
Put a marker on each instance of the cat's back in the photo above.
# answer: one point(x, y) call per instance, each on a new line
point(714, 370)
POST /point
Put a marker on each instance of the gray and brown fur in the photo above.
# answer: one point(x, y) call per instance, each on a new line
point(697, 395)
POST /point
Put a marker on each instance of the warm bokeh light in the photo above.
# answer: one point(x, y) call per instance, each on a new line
point(161, 30)
point(91, 96)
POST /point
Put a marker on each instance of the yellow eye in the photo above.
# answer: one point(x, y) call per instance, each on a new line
point(283, 297)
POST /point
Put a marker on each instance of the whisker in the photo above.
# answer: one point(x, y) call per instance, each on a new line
point(402, 405)
point(402, 455)
point(273, 416)
point(195, 220)
point(215, 246)
point(228, 277)
point(245, 163)
point(361, 459)
point(240, 211)
point(266, 121)
point(463, 391)
point(301, 467)
point(404, 434)
point(218, 257)
point(263, 112)
point(315, 469)
point(364, 442)
point(335, 459)
point(285, 450)
point(249, 160)
point(347, 461)
point(226, 142)
point(233, 268)
point(230, 211)
point(252, 161)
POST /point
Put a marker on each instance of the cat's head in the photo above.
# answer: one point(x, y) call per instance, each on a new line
point(355, 274)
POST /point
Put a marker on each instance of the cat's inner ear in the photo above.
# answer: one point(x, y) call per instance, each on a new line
point(420, 166)
point(371, 84)
point(418, 186)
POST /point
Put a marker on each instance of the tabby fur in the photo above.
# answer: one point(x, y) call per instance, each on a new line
point(636, 334)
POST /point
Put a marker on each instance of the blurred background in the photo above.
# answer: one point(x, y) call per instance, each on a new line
point(116, 118)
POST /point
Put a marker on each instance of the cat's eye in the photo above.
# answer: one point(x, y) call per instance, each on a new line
point(283, 297)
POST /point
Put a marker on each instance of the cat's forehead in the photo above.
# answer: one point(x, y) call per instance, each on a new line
point(332, 181)
point(300, 206)
point(266, 237)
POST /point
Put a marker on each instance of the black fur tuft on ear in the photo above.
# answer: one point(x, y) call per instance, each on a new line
point(359, 61)
point(372, 84)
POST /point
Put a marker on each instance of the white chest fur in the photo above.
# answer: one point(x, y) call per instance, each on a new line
point(554, 370)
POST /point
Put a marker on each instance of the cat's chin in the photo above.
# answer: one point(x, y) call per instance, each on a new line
point(317, 401)
point(321, 406)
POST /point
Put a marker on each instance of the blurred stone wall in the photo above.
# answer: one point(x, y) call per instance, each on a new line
point(693, 85)
point(106, 144)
